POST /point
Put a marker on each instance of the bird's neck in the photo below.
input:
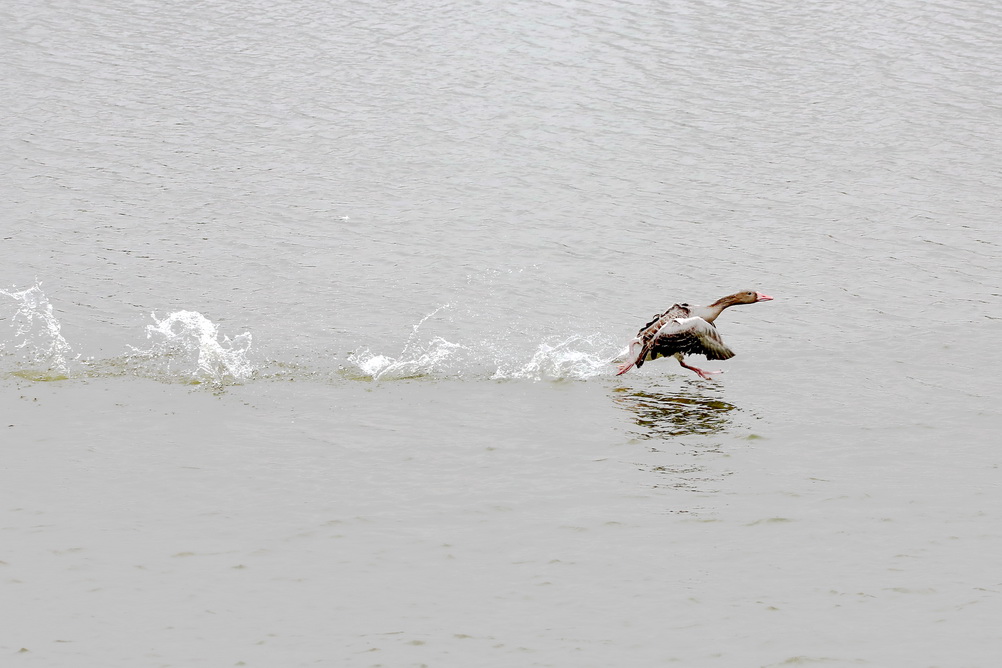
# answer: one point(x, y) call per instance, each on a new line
point(710, 313)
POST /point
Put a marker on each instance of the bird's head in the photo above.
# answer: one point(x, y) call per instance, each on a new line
point(749, 297)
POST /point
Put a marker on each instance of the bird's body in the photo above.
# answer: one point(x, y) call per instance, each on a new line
point(686, 330)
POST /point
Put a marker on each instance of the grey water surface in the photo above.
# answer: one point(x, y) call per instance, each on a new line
point(308, 313)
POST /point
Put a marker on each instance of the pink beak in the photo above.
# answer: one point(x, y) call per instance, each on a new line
point(762, 297)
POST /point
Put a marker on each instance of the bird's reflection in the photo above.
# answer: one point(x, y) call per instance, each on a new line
point(683, 412)
point(664, 418)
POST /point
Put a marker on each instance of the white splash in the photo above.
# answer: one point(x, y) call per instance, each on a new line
point(186, 344)
point(37, 331)
point(415, 360)
point(500, 356)
point(573, 358)
point(418, 358)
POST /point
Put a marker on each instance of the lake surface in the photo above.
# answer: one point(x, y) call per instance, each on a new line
point(307, 315)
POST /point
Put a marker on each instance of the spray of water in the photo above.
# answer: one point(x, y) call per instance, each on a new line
point(499, 357)
point(187, 346)
point(37, 337)
point(417, 358)
point(437, 356)
point(573, 358)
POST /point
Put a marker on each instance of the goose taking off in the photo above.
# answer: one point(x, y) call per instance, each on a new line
point(683, 330)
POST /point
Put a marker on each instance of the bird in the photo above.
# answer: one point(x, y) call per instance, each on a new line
point(685, 329)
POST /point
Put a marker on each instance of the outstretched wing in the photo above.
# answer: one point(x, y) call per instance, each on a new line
point(649, 332)
point(689, 336)
point(640, 347)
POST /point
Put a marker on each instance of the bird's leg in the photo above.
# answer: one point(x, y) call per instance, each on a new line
point(633, 354)
point(703, 373)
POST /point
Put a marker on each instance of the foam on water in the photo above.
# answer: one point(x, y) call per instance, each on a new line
point(37, 334)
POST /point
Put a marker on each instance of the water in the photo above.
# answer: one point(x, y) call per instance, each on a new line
point(307, 315)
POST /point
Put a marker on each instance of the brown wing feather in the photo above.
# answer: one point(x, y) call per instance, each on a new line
point(648, 333)
point(689, 336)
